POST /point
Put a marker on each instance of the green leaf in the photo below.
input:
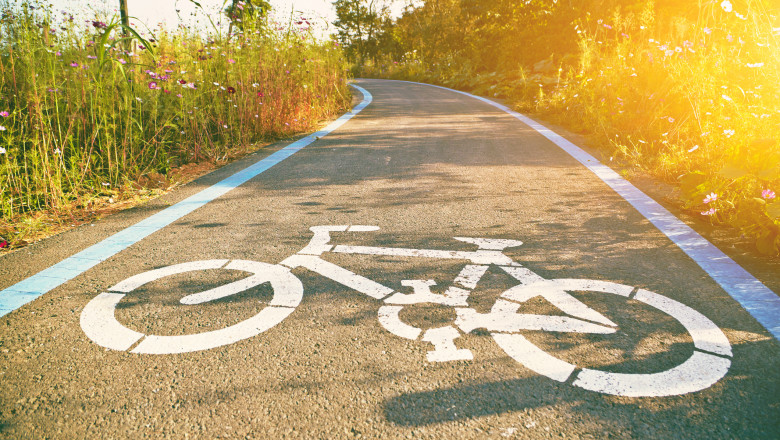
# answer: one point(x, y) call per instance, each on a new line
point(731, 171)
point(769, 174)
point(767, 243)
point(773, 210)
point(691, 182)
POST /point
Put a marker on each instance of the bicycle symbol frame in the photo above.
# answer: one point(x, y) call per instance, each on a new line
point(709, 362)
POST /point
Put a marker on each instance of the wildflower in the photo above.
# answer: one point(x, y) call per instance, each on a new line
point(216, 84)
point(2, 150)
point(4, 244)
point(58, 53)
point(711, 211)
point(231, 90)
point(670, 119)
point(726, 97)
point(695, 147)
point(122, 61)
point(231, 61)
point(728, 133)
point(105, 184)
point(707, 30)
point(224, 126)
point(138, 98)
point(260, 94)
point(768, 194)
point(2, 128)
point(92, 57)
point(5, 114)
point(50, 90)
point(74, 64)
point(255, 85)
point(99, 25)
point(755, 65)
point(178, 95)
point(711, 197)
point(152, 85)
point(57, 151)
point(726, 5)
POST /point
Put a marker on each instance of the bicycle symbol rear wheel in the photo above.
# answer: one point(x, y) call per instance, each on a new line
point(100, 324)
point(709, 362)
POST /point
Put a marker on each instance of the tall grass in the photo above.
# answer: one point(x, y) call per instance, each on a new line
point(84, 112)
point(694, 100)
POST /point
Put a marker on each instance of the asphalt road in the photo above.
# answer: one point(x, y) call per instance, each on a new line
point(424, 165)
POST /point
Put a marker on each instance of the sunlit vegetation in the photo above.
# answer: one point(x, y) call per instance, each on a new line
point(688, 91)
point(91, 110)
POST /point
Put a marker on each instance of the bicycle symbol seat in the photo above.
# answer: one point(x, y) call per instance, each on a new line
point(505, 322)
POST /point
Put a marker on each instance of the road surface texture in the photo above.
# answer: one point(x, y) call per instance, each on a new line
point(644, 345)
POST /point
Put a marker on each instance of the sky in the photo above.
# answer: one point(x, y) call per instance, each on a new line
point(152, 12)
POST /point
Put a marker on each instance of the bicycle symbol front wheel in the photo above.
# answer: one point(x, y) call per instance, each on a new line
point(100, 324)
point(709, 362)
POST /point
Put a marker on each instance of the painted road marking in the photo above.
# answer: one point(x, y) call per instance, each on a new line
point(99, 322)
point(709, 362)
point(48, 279)
point(761, 302)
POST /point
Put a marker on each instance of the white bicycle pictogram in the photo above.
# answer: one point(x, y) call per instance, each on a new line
point(505, 322)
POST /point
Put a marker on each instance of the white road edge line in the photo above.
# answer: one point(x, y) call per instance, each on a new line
point(761, 302)
point(52, 277)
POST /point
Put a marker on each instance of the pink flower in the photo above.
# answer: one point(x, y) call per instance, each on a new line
point(231, 61)
point(74, 64)
point(711, 197)
point(4, 114)
point(768, 194)
point(152, 85)
point(711, 211)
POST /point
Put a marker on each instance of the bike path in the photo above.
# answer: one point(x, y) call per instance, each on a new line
point(424, 165)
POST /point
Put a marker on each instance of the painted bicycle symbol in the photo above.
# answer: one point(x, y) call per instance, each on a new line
point(505, 322)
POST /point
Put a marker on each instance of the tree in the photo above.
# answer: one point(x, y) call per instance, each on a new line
point(358, 26)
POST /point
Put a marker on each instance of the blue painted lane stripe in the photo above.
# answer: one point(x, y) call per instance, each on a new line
point(48, 279)
point(761, 302)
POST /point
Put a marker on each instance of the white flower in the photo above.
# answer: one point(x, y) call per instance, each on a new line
point(726, 97)
point(695, 147)
point(755, 65)
point(728, 133)
point(2, 150)
point(726, 5)
point(2, 128)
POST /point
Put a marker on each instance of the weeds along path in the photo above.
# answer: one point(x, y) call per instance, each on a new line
point(85, 116)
